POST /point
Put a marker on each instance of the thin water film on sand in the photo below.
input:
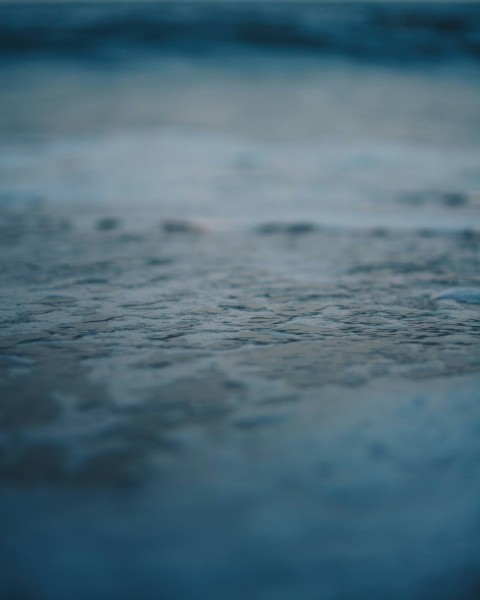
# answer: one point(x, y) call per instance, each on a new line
point(240, 291)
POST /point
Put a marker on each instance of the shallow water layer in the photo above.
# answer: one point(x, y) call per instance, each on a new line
point(240, 290)
point(245, 138)
point(282, 410)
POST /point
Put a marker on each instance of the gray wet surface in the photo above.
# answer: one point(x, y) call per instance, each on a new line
point(272, 411)
point(239, 350)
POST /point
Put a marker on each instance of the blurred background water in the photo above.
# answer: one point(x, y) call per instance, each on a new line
point(344, 113)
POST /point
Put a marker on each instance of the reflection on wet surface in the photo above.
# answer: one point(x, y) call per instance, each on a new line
point(286, 377)
point(240, 291)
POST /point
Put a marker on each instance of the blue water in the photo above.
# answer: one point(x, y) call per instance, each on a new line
point(385, 31)
point(240, 258)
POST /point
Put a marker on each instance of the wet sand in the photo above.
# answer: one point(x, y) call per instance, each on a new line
point(239, 349)
point(272, 411)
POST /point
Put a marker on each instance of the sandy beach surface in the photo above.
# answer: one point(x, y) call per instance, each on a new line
point(240, 335)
